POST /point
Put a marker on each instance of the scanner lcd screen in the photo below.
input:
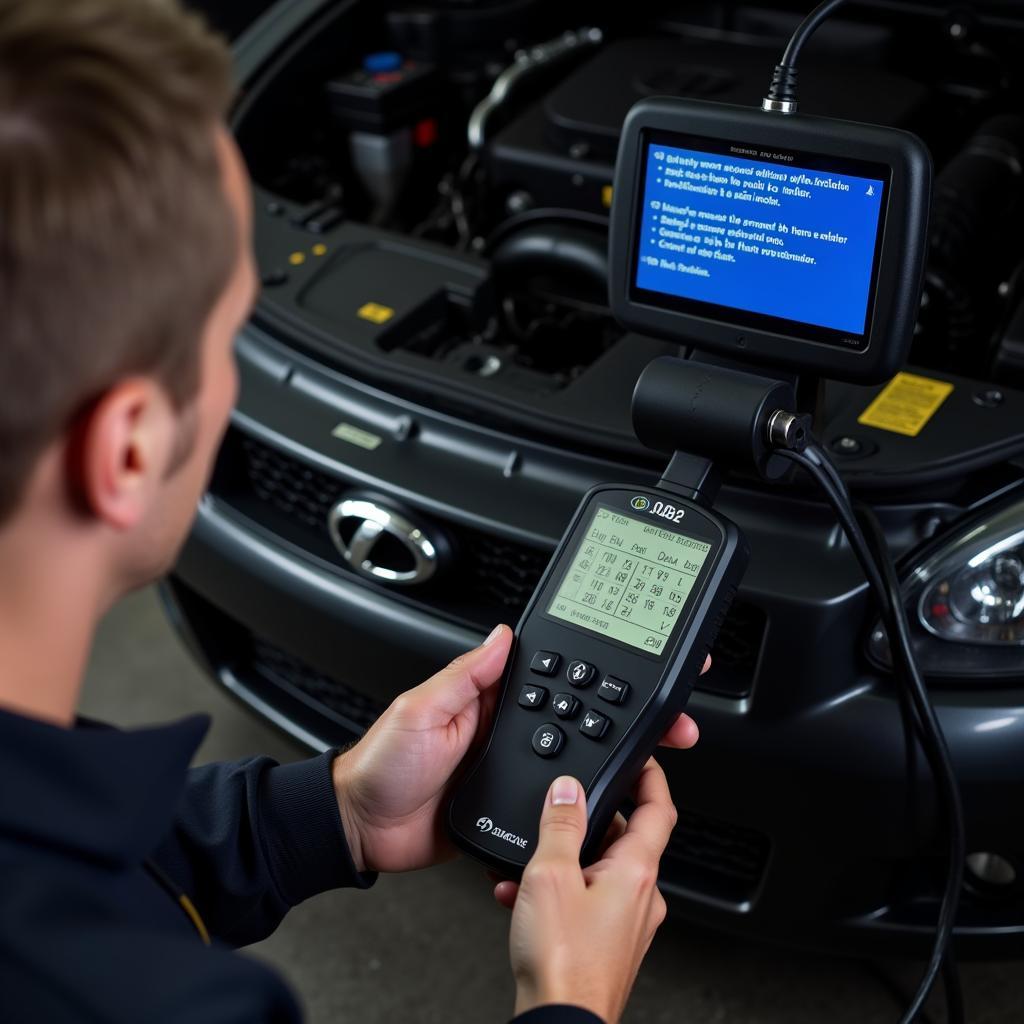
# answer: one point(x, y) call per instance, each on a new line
point(788, 241)
point(629, 580)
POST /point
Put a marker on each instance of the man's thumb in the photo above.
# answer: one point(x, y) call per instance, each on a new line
point(462, 681)
point(563, 822)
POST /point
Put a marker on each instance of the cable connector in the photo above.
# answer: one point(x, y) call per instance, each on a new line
point(788, 430)
point(781, 98)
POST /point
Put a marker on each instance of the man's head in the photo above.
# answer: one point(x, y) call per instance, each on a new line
point(125, 271)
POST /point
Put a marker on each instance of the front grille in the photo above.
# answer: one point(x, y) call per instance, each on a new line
point(289, 486)
point(324, 705)
point(280, 667)
point(491, 578)
point(716, 857)
point(504, 573)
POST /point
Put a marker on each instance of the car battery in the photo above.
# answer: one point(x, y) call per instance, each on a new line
point(389, 107)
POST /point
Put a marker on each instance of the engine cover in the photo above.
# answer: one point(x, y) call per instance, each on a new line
point(562, 150)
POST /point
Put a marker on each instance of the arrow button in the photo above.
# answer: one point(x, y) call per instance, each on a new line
point(545, 663)
point(533, 697)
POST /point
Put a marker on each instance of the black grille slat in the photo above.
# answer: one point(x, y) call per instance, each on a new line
point(715, 856)
point(280, 667)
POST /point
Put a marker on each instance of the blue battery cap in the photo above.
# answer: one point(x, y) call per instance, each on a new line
point(378, 63)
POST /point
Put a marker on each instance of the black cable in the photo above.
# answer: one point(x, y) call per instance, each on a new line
point(941, 764)
point(806, 28)
point(877, 564)
point(840, 503)
point(954, 992)
point(881, 977)
point(784, 78)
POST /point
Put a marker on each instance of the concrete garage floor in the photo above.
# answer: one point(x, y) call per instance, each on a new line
point(431, 946)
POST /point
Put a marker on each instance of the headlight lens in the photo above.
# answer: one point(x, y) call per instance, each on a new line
point(982, 602)
point(965, 597)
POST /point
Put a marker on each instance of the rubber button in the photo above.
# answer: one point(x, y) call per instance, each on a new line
point(594, 725)
point(533, 697)
point(580, 673)
point(548, 740)
point(545, 663)
point(565, 705)
point(613, 690)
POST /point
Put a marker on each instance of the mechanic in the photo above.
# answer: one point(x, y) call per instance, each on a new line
point(128, 879)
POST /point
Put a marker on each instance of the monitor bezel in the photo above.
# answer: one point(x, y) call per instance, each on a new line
point(901, 239)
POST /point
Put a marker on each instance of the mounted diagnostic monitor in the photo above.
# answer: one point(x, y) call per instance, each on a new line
point(780, 239)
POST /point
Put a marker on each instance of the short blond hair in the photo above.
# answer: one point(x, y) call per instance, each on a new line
point(116, 235)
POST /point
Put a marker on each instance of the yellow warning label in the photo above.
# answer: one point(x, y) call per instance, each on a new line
point(606, 196)
point(375, 313)
point(906, 404)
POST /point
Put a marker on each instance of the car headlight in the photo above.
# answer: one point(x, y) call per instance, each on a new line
point(965, 598)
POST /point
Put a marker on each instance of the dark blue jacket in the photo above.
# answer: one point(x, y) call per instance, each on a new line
point(115, 858)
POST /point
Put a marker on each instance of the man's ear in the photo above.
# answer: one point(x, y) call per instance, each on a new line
point(121, 449)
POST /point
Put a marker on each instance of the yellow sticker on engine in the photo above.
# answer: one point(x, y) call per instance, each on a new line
point(906, 404)
point(375, 313)
point(606, 196)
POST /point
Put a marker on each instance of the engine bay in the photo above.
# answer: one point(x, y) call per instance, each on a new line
point(432, 205)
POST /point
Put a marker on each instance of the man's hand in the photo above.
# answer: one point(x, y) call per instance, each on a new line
point(392, 786)
point(579, 934)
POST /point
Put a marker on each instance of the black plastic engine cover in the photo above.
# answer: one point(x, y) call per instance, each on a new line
point(562, 150)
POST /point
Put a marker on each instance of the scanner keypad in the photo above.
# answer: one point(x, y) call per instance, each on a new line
point(549, 739)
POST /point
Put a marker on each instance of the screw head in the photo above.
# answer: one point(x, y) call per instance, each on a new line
point(988, 398)
point(518, 201)
point(847, 445)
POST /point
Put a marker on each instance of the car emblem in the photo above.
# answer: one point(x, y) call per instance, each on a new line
point(358, 526)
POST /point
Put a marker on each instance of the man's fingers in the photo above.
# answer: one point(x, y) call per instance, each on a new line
point(505, 893)
point(463, 680)
point(655, 815)
point(615, 831)
point(682, 734)
point(563, 824)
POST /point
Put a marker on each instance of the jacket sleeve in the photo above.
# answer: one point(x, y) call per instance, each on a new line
point(557, 1014)
point(253, 839)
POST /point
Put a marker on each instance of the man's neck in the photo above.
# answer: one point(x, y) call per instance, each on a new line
point(50, 603)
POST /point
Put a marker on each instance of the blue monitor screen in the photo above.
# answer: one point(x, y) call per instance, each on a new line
point(721, 233)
